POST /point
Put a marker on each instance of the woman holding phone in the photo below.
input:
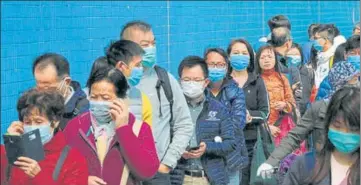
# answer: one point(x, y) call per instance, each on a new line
point(43, 111)
point(119, 149)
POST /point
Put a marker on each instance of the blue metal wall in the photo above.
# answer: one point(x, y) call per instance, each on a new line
point(80, 30)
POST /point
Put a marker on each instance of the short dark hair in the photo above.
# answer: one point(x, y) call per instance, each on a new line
point(221, 52)
point(339, 53)
point(258, 69)
point(250, 67)
point(192, 61)
point(138, 24)
point(99, 64)
point(123, 50)
point(311, 30)
point(113, 76)
point(280, 36)
point(49, 103)
point(279, 21)
point(352, 43)
point(327, 31)
point(60, 63)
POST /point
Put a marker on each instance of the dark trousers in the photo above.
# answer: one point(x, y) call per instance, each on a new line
point(159, 179)
point(246, 172)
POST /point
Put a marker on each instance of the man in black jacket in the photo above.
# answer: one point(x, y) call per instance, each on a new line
point(51, 71)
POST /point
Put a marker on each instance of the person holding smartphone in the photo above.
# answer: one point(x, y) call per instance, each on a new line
point(43, 111)
point(119, 148)
point(205, 160)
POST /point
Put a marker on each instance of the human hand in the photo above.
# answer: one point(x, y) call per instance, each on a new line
point(29, 166)
point(248, 117)
point(265, 171)
point(275, 131)
point(280, 105)
point(119, 112)
point(94, 180)
point(198, 153)
point(16, 128)
point(163, 168)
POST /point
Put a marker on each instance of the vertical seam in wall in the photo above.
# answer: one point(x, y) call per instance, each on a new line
point(168, 34)
point(263, 21)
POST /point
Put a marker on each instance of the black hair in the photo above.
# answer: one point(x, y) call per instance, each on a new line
point(113, 76)
point(99, 64)
point(250, 67)
point(141, 25)
point(352, 43)
point(60, 63)
point(327, 31)
point(123, 50)
point(312, 29)
point(299, 48)
point(339, 53)
point(221, 52)
point(279, 21)
point(49, 103)
point(258, 69)
point(192, 61)
point(280, 36)
point(346, 103)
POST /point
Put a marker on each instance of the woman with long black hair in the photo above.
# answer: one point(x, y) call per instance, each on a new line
point(338, 162)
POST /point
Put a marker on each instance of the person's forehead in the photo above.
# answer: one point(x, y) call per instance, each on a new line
point(49, 71)
point(267, 52)
point(139, 36)
point(195, 71)
point(102, 87)
point(215, 57)
point(239, 46)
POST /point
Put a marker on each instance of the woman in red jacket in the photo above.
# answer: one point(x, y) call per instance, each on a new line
point(43, 111)
point(119, 149)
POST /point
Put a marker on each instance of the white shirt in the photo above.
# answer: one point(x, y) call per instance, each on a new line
point(338, 171)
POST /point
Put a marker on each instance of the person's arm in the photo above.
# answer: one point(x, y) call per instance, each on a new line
point(295, 136)
point(238, 109)
point(182, 126)
point(296, 173)
point(290, 101)
point(262, 112)
point(146, 110)
point(139, 152)
point(228, 143)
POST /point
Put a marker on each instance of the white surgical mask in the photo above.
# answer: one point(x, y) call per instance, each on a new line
point(192, 89)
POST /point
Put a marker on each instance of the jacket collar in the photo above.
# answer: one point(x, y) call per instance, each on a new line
point(78, 94)
point(56, 144)
point(252, 78)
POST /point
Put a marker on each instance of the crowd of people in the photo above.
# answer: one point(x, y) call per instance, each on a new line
point(275, 113)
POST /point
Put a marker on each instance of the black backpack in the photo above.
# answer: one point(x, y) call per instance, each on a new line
point(163, 81)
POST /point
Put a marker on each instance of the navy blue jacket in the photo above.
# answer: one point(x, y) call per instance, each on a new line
point(77, 104)
point(234, 99)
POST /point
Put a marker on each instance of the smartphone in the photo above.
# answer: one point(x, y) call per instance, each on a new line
point(193, 148)
point(26, 145)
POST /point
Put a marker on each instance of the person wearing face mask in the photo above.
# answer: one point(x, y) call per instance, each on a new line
point(338, 162)
point(213, 132)
point(312, 124)
point(349, 53)
point(51, 71)
point(99, 64)
point(43, 110)
point(224, 89)
point(294, 59)
point(126, 56)
point(257, 103)
point(119, 148)
point(172, 126)
point(306, 47)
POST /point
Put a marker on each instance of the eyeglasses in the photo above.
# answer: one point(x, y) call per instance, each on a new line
point(217, 65)
point(188, 79)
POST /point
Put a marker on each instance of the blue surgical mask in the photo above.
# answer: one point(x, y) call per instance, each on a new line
point(355, 61)
point(293, 61)
point(216, 74)
point(150, 57)
point(135, 76)
point(239, 62)
point(101, 111)
point(44, 129)
point(344, 142)
point(317, 46)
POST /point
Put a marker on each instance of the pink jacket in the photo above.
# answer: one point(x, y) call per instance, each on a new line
point(138, 153)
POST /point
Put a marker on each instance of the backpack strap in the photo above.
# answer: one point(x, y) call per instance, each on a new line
point(125, 175)
point(164, 82)
point(60, 162)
